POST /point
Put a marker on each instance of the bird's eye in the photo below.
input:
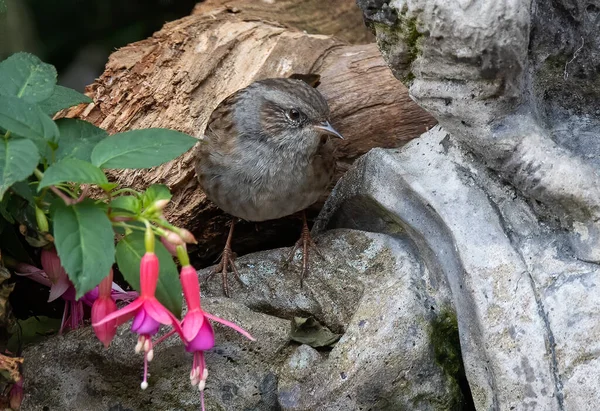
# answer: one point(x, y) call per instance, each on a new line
point(293, 114)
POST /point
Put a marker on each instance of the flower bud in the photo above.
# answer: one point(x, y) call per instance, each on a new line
point(52, 266)
point(171, 248)
point(100, 309)
point(42, 221)
point(16, 394)
point(187, 236)
point(159, 205)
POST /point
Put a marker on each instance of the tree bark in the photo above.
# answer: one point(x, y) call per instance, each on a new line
point(338, 18)
point(177, 77)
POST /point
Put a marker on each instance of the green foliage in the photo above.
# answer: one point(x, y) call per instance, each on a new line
point(29, 331)
point(131, 204)
point(141, 148)
point(46, 167)
point(77, 139)
point(18, 159)
point(26, 119)
point(62, 98)
point(154, 193)
point(25, 76)
point(129, 254)
point(72, 170)
point(84, 241)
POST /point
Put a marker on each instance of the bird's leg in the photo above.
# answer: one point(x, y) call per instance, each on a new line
point(306, 242)
point(227, 261)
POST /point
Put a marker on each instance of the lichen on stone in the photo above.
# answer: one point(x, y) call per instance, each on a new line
point(400, 44)
point(447, 353)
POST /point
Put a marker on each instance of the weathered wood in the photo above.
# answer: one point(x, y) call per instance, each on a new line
point(339, 18)
point(178, 76)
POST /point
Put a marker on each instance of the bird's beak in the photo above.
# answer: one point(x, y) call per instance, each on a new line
point(327, 129)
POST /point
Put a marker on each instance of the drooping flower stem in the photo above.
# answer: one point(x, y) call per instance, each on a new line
point(149, 238)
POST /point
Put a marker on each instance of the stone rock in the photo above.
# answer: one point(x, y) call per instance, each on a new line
point(372, 287)
point(527, 308)
point(517, 83)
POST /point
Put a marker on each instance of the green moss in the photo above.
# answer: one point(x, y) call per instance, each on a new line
point(403, 32)
point(446, 345)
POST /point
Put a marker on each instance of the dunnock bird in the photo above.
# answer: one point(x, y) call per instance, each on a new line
point(266, 155)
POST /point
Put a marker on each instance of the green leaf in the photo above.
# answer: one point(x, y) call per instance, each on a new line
point(72, 170)
point(31, 330)
point(24, 190)
point(109, 186)
point(25, 76)
point(84, 241)
point(129, 254)
point(141, 148)
point(25, 119)
point(4, 211)
point(18, 159)
point(77, 139)
point(128, 203)
point(61, 98)
point(154, 193)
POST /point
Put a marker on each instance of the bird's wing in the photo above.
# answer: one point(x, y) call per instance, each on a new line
point(220, 130)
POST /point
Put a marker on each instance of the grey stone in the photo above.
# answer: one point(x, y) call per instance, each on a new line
point(517, 83)
point(527, 308)
point(372, 287)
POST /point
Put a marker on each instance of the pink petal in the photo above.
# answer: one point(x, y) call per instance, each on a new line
point(129, 310)
point(230, 325)
point(59, 288)
point(33, 273)
point(157, 311)
point(191, 324)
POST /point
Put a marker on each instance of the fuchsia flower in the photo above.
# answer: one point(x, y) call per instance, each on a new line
point(56, 274)
point(197, 331)
point(103, 306)
point(149, 313)
point(53, 275)
point(16, 394)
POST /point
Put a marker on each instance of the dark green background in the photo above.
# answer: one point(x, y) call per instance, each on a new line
point(77, 36)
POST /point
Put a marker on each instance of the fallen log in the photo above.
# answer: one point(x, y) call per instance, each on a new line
point(177, 77)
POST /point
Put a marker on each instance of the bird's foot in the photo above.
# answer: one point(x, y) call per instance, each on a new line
point(226, 265)
point(227, 262)
point(306, 243)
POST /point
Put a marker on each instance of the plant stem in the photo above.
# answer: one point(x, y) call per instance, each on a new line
point(65, 198)
point(125, 190)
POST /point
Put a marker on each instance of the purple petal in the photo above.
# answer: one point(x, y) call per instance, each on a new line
point(91, 296)
point(144, 323)
point(124, 295)
point(205, 339)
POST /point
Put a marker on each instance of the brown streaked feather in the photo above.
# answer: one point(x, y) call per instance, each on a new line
point(220, 127)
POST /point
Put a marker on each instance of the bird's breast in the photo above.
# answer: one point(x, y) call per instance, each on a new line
point(267, 185)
